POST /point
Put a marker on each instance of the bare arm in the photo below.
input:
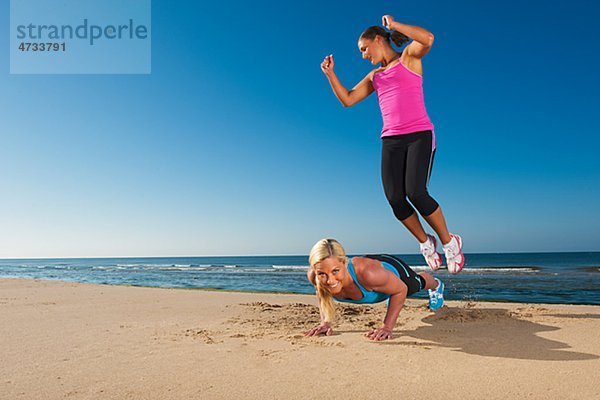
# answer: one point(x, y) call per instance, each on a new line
point(347, 97)
point(375, 277)
point(422, 38)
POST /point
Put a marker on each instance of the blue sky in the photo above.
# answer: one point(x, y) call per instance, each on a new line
point(235, 144)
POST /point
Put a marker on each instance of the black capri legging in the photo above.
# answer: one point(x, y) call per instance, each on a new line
point(406, 162)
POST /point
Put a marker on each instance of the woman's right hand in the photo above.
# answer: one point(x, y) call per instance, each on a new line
point(327, 65)
point(323, 328)
point(387, 21)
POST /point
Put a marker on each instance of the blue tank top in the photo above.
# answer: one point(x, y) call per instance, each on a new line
point(369, 297)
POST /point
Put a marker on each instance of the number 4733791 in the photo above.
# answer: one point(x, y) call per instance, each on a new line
point(24, 46)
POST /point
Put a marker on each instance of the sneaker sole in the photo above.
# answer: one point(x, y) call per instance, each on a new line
point(460, 265)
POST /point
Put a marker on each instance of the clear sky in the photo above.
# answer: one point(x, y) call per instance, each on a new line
point(235, 144)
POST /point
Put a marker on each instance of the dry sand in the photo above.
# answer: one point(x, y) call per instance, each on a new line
point(62, 340)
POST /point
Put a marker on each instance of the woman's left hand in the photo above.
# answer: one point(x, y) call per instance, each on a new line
point(387, 21)
point(382, 333)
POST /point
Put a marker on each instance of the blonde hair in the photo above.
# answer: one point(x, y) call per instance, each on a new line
point(323, 249)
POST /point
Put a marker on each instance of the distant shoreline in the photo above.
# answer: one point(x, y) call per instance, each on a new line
point(500, 301)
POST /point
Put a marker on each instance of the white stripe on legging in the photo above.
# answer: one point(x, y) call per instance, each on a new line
point(429, 169)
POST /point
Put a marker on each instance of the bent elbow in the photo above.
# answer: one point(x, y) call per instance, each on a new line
point(348, 102)
point(430, 39)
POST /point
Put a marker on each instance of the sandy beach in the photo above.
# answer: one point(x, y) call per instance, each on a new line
point(80, 341)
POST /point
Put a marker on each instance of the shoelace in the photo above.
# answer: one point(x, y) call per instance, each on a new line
point(427, 250)
point(431, 256)
point(434, 300)
point(450, 253)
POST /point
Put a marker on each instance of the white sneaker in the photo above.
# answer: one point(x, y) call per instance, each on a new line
point(455, 259)
point(433, 258)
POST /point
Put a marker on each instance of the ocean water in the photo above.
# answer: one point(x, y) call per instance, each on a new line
point(559, 278)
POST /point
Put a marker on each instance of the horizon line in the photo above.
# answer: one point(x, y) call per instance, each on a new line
point(278, 255)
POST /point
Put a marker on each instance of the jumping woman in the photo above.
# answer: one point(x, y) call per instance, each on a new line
point(408, 138)
point(368, 279)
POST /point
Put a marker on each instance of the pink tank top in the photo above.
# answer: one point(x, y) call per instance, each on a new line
point(401, 100)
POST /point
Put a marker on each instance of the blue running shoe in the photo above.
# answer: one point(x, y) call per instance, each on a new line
point(436, 297)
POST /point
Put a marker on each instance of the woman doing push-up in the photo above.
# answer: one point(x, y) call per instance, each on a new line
point(368, 279)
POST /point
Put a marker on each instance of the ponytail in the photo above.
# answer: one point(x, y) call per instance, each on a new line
point(326, 307)
point(398, 38)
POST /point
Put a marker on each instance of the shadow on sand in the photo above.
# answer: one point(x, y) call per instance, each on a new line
point(492, 333)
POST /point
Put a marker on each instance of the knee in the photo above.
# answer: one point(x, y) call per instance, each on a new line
point(423, 202)
point(416, 195)
point(402, 209)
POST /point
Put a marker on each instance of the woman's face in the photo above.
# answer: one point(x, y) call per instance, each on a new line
point(371, 50)
point(331, 273)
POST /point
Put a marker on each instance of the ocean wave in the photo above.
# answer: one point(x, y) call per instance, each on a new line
point(271, 270)
point(185, 268)
point(591, 269)
point(507, 269)
point(486, 270)
point(482, 269)
point(151, 265)
point(234, 269)
point(48, 267)
point(290, 267)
